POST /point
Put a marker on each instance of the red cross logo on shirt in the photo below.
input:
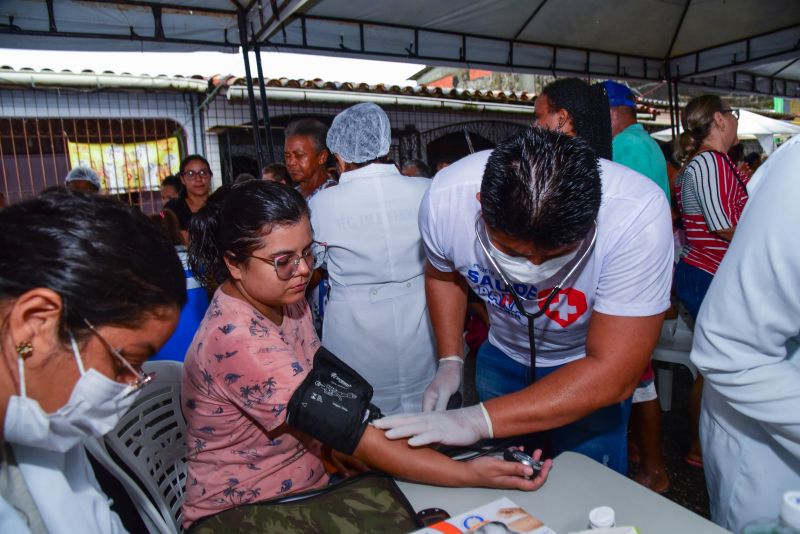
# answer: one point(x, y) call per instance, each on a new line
point(567, 306)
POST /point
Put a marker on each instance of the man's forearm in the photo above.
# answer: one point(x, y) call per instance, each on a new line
point(447, 304)
point(560, 398)
point(617, 348)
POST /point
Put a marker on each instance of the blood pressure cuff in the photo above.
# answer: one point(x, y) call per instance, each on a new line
point(332, 404)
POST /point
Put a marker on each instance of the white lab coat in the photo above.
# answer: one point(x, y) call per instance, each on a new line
point(377, 319)
point(65, 491)
point(746, 345)
point(11, 520)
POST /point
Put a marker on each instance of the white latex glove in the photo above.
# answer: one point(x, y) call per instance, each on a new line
point(443, 385)
point(451, 427)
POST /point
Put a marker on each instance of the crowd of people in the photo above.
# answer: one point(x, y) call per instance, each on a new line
point(560, 243)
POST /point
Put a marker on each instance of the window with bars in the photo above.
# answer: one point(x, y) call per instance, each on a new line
point(132, 139)
point(131, 156)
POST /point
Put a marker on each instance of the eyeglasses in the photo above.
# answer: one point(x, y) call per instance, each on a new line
point(286, 266)
point(142, 378)
point(204, 173)
point(734, 112)
point(480, 230)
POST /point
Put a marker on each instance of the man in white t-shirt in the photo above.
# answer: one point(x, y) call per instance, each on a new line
point(586, 246)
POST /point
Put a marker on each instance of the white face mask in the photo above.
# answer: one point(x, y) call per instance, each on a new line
point(95, 407)
point(521, 270)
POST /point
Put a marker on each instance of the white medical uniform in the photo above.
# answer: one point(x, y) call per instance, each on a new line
point(66, 492)
point(746, 345)
point(377, 318)
point(10, 519)
point(629, 272)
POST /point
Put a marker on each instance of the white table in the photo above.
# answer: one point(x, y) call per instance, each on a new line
point(674, 346)
point(576, 485)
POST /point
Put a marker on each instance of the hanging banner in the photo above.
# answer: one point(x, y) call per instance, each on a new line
point(129, 166)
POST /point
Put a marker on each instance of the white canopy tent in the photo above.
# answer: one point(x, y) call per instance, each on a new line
point(731, 45)
point(693, 41)
point(751, 126)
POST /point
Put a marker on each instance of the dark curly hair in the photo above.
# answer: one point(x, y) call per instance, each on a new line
point(587, 106)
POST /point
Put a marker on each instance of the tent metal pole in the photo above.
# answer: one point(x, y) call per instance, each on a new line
point(671, 108)
point(250, 93)
point(264, 105)
point(677, 106)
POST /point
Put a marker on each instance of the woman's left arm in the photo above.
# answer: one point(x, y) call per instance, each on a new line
point(422, 464)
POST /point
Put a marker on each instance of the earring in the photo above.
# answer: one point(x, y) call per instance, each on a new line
point(25, 349)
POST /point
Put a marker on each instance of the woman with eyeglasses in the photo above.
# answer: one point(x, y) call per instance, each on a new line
point(195, 174)
point(89, 290)
point(255, 347)
point(711, 194)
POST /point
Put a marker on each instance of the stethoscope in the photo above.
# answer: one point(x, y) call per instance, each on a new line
point(532, 316)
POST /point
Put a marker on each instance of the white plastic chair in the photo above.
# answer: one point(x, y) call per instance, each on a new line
point(151, 441)
point(674, 346)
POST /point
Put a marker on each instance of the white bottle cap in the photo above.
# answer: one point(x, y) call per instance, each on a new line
point(790, 509)
point(602, 517)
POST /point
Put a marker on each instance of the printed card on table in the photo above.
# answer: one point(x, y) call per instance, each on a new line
point(498, 517)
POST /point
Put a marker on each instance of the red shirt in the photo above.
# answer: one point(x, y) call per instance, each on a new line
point(711, 195)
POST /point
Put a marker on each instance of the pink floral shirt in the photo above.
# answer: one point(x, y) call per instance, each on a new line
point(238, 377)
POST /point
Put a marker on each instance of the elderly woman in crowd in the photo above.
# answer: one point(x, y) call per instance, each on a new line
point(305, 154)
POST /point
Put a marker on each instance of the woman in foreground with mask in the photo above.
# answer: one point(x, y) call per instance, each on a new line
point(89, 290)
point(255, 348)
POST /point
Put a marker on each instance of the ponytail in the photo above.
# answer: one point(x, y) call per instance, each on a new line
point(234, 222)
point(686, 147)
point(697, 118)
point(600, 122)
point(205, 257)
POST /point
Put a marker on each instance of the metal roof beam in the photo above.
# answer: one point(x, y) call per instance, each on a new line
point(678, 28)
point(357, 38)
point(388, 25)
point(733, 65)
point(4, 29)
point(747, 83)
point(183, 8)
point(277, 18)
point(784, 67)
point(528, 21)
point(735, 55)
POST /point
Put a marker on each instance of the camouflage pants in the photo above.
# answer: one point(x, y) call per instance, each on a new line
point(370, 502)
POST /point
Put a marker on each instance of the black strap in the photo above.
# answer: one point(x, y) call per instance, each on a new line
point(735, 171)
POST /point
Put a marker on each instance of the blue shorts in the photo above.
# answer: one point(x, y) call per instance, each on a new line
point(691, 286)
point(601, 435)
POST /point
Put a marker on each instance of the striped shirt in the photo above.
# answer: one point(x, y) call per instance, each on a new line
point(711, 195)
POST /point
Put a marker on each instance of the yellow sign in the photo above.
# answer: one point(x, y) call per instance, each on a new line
point(794, 106)
point(128, 167)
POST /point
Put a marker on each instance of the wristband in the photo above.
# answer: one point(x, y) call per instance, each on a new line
point(451, 359)
point(488, 420)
